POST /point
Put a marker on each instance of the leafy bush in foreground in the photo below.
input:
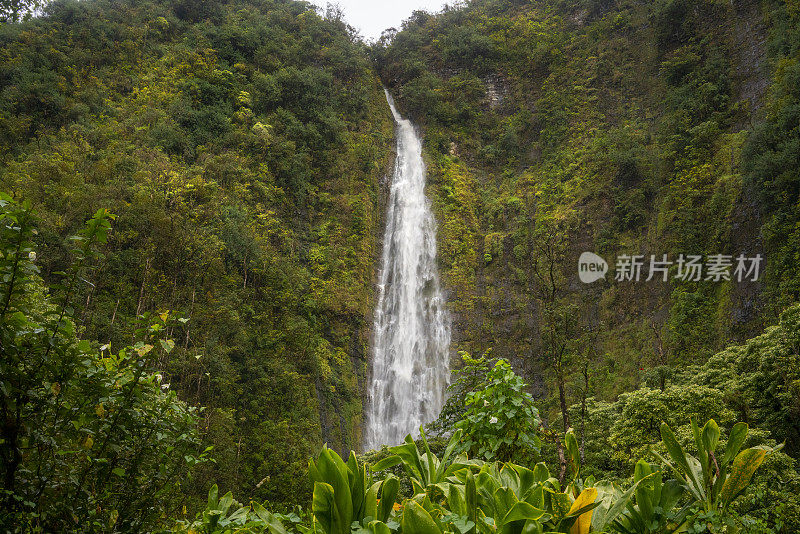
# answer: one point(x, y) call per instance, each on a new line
point(91, 440)
point(463, 496)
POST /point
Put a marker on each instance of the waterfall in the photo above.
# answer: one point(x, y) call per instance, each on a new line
point(410, 364)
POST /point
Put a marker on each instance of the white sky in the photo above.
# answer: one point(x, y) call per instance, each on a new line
point(371, 17)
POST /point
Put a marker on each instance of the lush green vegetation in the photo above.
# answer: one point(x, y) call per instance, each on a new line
point(208, 327)
point(558, 127)
point(241, 146)
point(455, 494)
point(91, 439)
point(618, 127)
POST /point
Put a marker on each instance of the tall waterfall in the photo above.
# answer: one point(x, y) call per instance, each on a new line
point(410, 365)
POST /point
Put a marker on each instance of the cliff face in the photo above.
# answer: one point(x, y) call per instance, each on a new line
point(616, 127)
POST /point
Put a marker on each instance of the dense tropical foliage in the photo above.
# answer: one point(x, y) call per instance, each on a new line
point(207, 330)
point(457, 495)
point(240, 146)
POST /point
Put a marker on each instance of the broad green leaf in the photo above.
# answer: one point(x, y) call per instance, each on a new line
point(417, 520)
point(389, 489)
point(239, 516)
point(604, 517)
point(212, 497)
point(357, 482)
point(701, 449)
point(559, 505)
point(386, 463)
point(644, 494)
point(409, 454)
point(504, 500)
point(225, 502)
point(167, 345)
point(456, 499)
point(710, 435)
point(522, 511)
point(378, 527)
point(540, 472)
point(322, 505)
point(735, 441)
point(571, 443)
point(676, 452)
point(274, 525)
point(741, 472)
point(584, 521)
point(471, 497)
point(331, 470)
point(371, 500)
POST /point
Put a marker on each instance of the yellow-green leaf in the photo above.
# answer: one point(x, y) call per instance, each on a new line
point(584, 522)
point(742, 470)
point(417, 520)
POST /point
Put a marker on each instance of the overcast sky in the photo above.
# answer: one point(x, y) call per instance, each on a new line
point(371, 17)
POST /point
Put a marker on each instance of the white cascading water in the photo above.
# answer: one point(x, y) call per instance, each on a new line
point(410, 364)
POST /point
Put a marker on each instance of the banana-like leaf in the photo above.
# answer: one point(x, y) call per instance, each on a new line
point(701, 450)
point(431, 462)
point(540, 472)
point(324, 508)
point(504, 500)
point(584, 521)
point(389, 489)
point(471, 497)
point(535, 497)
point(735, 441)
point(559, 504)
point(445, 463)
point(532, 527)
point(225, 502)
point(690, 477)
point(607, 495)
point(742, 470)
point(522, 511)
point(274, 525)
point(378, 527)
point(645, 497)
point(417, 520)
point(386, 463)
point(409, 455)
point(573, 451)
point(212, 497)
point(710, 435)
point(371, 500)
point(676, 452)
point(357, 480)
point(604, 517)
point(330, 470)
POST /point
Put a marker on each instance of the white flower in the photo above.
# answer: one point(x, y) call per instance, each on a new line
point(32, 256)
point(159, 377)
point(493, 420)
point(165, 386)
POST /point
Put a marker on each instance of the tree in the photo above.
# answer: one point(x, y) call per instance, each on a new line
point(501, 422)
point(89, 437)
point(18, 10)
point(557, 315)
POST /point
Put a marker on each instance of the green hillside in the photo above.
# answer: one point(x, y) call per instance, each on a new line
point(242, 147)
point(620, 128)
point(192, 197)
